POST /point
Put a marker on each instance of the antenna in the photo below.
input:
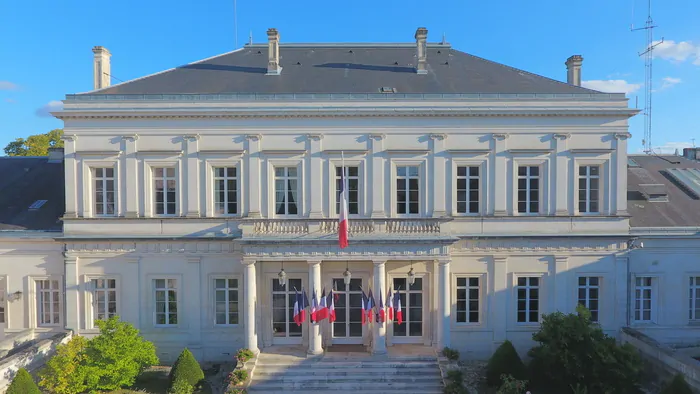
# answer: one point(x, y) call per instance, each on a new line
point(235, 23)
point(250, 38)
point(693, 141)
point(648, 63)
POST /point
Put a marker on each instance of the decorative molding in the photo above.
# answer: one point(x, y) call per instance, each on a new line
point(444, 261)
point(290, 152)
point(561, 259)
point(499, 136)
point(191, 137)
point(361, 252)
point(596, 151)
point(530, 151)
point(564, 246)
point(438, 136)
point(254, 137)
point(99, 153)
point(346, 152)
point(83, 249)
point(561, 136)
point(408, 151)
point(194, 259)
point(132, 137)
point(160, 152)
point(247, 261)
point(468, 151)
point(377, 137)
point(222, 152)
point(315, 137)
point(314, 261)
point(69, 137)
point(622, 136)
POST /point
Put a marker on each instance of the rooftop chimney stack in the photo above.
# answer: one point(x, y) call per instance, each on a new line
point(273, 52)
point(573, 70)
point(421, 52)
point(101, 67)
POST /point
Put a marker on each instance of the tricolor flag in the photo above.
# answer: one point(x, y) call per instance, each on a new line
point(304, 304)
point(331, 308)
point(314, 307)
point(365, 301)
point(299, 313)
point(343, 225)
point(322, 310)
point(390, 305)
point(380, 309)
point(370, 305)
point(399, 313)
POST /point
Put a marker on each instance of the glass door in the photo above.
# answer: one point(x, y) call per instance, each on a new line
point(284, 329)
point(411, 330)
point(347, 328)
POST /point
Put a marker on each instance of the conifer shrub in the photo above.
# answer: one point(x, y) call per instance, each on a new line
point(186, 368)
point(181, 387)
point(23, 384)
point(677, 386)
point(505, 361)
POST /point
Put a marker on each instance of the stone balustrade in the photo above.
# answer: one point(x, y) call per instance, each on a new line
point(358, 227)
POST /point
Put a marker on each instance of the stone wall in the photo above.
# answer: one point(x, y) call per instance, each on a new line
point(30, 358)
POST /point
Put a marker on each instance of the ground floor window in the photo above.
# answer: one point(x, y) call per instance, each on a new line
point(644, 299)
point(694, 298)
point(467, 300)
point(283, 309)
point(589, 294)
point(104, 298)
point(226, 301)
point(48, 301)
point(165, 294)
point(528, 293)
point(348, 308)
point(412, 308)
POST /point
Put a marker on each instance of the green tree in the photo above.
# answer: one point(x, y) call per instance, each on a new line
point(186, 368)
point(117, 356)
point(573, 351)
point(23, 384)
point(677, 386)
point(505, 361)
point(65, 372)
point(35, 145)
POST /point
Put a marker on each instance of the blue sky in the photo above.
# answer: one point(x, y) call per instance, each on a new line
point(45, 45)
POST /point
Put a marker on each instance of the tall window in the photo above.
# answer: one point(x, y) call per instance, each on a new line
point(588, 189)
point(353, 181)
point(286, 191)
point(694, 298)
point(589, 294)
point(3, 300)
point(468, 189)
point(48, 302)
point(528, 293)
point(226, 191)
point(528, 189)
point(104, 298)
point(226, 301)
point(407, 191)
point(283, 309)
point(644, 298)
point(165, 295)
point(468, 300)
point(165, 190)
point(104, 191)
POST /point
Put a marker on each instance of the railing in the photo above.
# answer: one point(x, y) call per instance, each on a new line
point(280, 227)
point(358, 227)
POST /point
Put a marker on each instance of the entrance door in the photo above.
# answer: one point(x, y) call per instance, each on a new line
point(411, 330)
point(347, 328)
point(284, 330)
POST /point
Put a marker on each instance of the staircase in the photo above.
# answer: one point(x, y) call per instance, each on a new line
point(282, 373)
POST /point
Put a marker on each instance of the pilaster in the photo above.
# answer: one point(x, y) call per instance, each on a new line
point(444, 304)
point(559, 298)
point(314, 169)
point(499, 299)
point(194, 301)
point(377, 178)
point(250, 339)
point(561, 170)
point(500, 172)
point(192, 181)
point(379, 334)
point(254, 177)
point(622, 291)
point(438, 175)
point(315, 339)
point(72, 292)
point(130, 194)
point(69, 142)
point(619, 176)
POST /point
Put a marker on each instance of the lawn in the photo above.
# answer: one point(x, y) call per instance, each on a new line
point(155, 381)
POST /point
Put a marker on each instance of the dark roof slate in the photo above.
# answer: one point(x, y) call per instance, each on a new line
point(25, 180)
point(344, 68)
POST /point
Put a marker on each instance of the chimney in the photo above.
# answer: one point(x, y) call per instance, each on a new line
point(573, 70)
point(101, 67)
point(273, 52)
point(55, 155)
point(421, 53)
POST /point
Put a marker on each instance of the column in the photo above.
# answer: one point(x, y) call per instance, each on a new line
point(71, 178)
point(438, 175)
point(500, 172)
point(560, 296)
point(561, 170)
point(379, 343)
point(498, 299)
point(192, 181)
point(251, 338)
point(254, 179)
point(315, 345)
point(622, 291)
point(444, 303)
point(619, 176)
point(315, 169)
point(376, 183)
point(72, 292)
point(131, 192)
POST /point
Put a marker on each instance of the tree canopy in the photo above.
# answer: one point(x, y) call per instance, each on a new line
point(35, 145)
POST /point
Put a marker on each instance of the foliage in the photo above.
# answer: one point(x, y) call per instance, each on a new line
point(456, 384)
point(66, 371)
point(573, 352)
point(677, 386)
point(232, 390)
point(238, 376)
point(117, 356)
point(35, 145)
point(511, 385)
point(505, 361)
point(244, 355)
point(451, 354)
point(186, 368)
point(181, 387)
point(23, 383)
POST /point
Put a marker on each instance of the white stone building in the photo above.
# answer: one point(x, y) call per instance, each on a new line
point(187, 192)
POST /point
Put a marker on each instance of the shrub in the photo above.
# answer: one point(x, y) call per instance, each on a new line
point(238, 376)
point(505, 361)
point(456, 384)
point(677, 386)
point(574, 352)
point(244, 355)
point(451, 354)
point(66, 372)
point(187, 368)
point(181, 387)
point(236, 391)
point(23, 383)
point(510, 385)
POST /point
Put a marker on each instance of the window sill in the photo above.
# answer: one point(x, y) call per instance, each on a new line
point(468, 327)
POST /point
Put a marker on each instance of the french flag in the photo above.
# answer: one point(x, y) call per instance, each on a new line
point(331, 308)
point(322, 310)
point(390, 305)
point(399, 313)
point(343, 225)
point(380, 309)
point(365, 301)
point(299, 313)
point(314, 307)
point(370, 305)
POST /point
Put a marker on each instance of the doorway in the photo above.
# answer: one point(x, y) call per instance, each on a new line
point(284, 330)
point(347, 328)
point(412, 302)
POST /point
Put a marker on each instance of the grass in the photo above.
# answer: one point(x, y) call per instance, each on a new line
point(155, 381)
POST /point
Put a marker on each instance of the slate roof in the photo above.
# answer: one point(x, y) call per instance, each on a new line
point(345, 68)
point(682, 208)
point(25, 180)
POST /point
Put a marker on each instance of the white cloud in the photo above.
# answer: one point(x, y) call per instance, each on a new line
point(669, 82)
point(7, 85)
point(612, 86)
point(677, 52)
point(45, 111)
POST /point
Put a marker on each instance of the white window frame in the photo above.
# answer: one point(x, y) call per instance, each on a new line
point(88, 162)
point(165, 179)
point(604, 192)
point(654, 299)
point(335, 164)
point(37, 298)
point(218, 162)
point(170, 160)
point(468, 177)
point(541, 277)
point(693, 302)
point(528, 177)
point(483, 293)
point(483, 165)
point(226, 178)
point(214, 289)
point(91, 297)
point(587, 287)
point(178, 298)
point(422, 186)
point(544, 165)
point(287, 178)
point(103, 181)
point(589, 193)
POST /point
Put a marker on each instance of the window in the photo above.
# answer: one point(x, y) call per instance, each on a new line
point(104, 191)
point(283, 298)
point(286, 191)
point(407, 191)
point(3, 295)
point(226, 301)
point(353, 181)
point(589, 294)
point(588, 189)
point(166, 301)
point(165, 187)
point(468, 189)
point(225, 191)
point(528, 189)
point(528, 292)
point(694, 298)
point(644, 299)
point(467, 300)
point(104, 298)
point(48, 302)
